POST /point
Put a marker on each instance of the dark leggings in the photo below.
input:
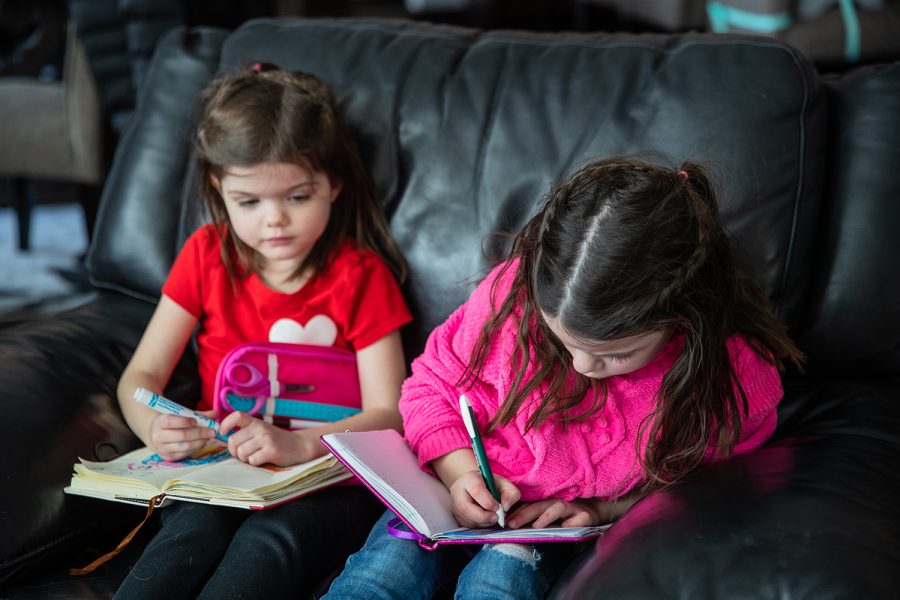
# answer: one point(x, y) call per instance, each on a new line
point(284, 552)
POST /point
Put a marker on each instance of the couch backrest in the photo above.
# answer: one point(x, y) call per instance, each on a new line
point(136, 233)
point(853, 320)
point(465, 131)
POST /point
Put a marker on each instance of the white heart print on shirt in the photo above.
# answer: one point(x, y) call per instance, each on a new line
point(319, 331)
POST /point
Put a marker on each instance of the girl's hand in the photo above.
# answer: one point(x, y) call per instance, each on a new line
point(581, 512)
point(175, 438)
point(473, 505)
point(543, 513)
point(256, 442)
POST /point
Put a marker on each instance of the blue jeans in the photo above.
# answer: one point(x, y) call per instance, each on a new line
point(389, 567)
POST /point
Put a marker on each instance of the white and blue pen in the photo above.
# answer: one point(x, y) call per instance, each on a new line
point(161, 404)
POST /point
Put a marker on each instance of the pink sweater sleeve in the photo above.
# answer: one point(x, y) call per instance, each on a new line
point(429, 400)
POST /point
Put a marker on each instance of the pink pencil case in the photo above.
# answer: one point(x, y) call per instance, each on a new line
point(290, 385)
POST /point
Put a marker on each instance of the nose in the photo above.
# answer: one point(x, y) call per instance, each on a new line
point(276, 215)
point(583, 362)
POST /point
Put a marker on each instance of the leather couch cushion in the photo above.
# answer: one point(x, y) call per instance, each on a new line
point(854, 315)
point(791, 520)
point(134, 240)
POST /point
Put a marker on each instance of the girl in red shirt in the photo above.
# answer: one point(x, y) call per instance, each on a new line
point(298, 251)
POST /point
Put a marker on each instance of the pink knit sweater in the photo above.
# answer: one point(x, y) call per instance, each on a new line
point(595, 458)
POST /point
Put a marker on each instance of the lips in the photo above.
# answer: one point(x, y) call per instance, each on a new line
point(279, 241)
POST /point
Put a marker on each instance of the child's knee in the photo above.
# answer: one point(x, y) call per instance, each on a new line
point(528, 555)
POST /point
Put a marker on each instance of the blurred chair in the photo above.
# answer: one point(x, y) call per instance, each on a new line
point(52, 130)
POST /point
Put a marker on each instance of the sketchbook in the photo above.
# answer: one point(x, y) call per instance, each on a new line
point(210, 476)
point(388, 467)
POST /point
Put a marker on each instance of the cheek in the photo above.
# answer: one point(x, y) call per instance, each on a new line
point(242, 226)
point(322, 218)
point(630, 366)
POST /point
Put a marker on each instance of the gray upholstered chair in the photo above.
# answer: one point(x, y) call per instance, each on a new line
point(52, 130)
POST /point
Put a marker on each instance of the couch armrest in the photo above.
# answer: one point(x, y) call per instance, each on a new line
point(58, 377)
point(814, 514)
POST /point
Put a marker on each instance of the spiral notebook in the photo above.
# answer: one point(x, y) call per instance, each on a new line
point(383, 461)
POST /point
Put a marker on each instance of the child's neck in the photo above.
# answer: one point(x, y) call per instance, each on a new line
point(282, 277)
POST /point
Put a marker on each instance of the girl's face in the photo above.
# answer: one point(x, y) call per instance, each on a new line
point(605, 358)
point(278, 209)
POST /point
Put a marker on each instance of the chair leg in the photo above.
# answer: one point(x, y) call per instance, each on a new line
point(22, 203)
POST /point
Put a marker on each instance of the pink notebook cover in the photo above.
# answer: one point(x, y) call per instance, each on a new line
point(386, 454)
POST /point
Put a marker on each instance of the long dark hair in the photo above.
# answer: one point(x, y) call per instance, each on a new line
point(264, 114)
point(623, 248)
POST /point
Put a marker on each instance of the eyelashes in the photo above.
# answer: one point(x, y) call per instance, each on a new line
point(620, 357)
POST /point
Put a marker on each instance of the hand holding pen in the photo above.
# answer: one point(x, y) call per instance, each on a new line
point(484, 465)
point(180, 431)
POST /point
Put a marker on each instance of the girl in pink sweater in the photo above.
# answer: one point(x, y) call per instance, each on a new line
point(615, 350)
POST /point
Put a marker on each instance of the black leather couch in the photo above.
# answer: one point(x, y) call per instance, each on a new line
point(464, 131)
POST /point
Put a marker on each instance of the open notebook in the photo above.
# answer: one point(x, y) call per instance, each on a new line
point(385, 464)
point(210, 476)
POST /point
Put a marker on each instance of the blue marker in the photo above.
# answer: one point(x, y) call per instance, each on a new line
point(165, 406)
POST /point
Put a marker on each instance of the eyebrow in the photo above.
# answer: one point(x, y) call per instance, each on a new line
point(288, 190)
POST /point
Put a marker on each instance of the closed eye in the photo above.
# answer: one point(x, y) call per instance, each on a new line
point(299, 198)
point(620, 357)
point(248, 202)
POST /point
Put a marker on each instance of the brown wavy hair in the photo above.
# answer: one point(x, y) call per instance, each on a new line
point(624, 248)
point(265, 114)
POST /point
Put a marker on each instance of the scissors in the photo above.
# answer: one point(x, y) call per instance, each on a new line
point(247, 381)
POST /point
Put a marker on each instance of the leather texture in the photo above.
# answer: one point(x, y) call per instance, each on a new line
point(856, 290)
point(136, 229)
point(464, 131)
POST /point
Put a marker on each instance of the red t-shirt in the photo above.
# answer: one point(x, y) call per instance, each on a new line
point(353, 303)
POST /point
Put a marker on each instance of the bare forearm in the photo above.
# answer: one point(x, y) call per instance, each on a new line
point(137, 416)
point(453, 465)
point(369, 420)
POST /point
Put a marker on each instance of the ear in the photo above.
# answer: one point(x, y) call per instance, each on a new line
point(336, 187)
point(214, 181)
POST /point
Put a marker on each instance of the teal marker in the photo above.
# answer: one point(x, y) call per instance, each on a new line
point(161, 404)
point(480, 455)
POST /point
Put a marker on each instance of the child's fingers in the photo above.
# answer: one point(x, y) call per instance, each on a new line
point(209, 413)
point(552, 513)
point(235, 420)
point(174, 451)
point(471, 514)
point(177, 433)
point(509, 493)
point(472, 502)
point(482, 496)
point(175, 422)
point(578, 519)
point(172, 428)
point(544, 513)
point(526, 513)
point(245, 450)
point(255, 442)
